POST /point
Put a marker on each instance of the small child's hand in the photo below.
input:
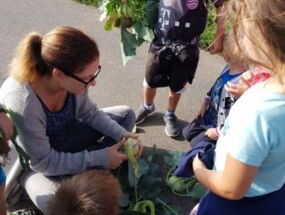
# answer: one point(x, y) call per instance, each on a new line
point(247, 76)
point(244, 83)
point(237, 89)
point(198, 164)
point(212, 133)
point(6, 126)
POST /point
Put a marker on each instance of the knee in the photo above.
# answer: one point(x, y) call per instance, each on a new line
point(178, 89)
point(149, 83)
point(186, 134)
point(129, 116)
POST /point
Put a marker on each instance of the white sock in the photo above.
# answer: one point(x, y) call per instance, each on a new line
point(148, 107)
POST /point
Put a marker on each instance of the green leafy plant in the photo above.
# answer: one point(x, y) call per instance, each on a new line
point(141, 189)
point(140, 182)
point(95, 3)
point(181, 186)
point(136, 20)
point(207, 36)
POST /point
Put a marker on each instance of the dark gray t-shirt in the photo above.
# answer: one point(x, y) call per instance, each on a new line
point(182, 19)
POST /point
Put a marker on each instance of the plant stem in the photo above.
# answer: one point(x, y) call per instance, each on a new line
point(165, 205)
point(136, 191)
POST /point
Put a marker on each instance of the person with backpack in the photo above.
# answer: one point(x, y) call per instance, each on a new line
point(174, 54)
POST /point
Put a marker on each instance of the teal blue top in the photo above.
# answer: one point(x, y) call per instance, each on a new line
point(254, 134)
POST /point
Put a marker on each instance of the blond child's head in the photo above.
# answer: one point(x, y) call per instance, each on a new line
point(94, 192)
point(231, 51)
point(259, 29)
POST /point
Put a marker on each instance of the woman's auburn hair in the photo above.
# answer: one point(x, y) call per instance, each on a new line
point(259, 30)
point(65, 48)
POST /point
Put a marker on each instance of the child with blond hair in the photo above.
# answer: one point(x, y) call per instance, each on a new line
point(248, 175)
point(218, 101)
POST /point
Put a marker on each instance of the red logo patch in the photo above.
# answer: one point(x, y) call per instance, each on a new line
point(192, 4)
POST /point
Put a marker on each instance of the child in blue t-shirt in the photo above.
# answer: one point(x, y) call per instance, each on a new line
point(218, 101)
point(6, 132)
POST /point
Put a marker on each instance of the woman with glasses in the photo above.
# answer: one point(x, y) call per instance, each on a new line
point(58, 126)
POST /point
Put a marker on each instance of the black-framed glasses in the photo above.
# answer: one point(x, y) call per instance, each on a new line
point(86, 82)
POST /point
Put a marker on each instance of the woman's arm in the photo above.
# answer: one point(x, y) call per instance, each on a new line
point(231, 183)
point(31, 129)
point(87, 111)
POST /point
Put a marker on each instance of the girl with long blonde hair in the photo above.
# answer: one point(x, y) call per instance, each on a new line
point(248, 175)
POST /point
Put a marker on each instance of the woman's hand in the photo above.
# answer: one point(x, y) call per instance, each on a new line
point(130, 134)
point(6, 126)
point(139, 142)
point(212, 133)
point(115, 156)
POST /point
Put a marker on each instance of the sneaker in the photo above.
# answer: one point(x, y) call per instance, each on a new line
point(142, 113)
point(171, 127)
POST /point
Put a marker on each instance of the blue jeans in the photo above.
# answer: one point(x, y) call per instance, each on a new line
point(82, 137)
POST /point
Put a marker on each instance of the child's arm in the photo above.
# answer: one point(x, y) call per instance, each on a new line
point(231, 183)
point(203, 107)
point(6, 126)
point(2, 200)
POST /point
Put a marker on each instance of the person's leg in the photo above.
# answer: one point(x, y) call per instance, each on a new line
point(192, 129)
point(179, 74)
point(123, 115)
point(83, 137)
point(173, 99)
point(39, 188)
point(148, 107)
point(155, 76)
point(171, 127)
point(177, 85)
point(149, 95)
